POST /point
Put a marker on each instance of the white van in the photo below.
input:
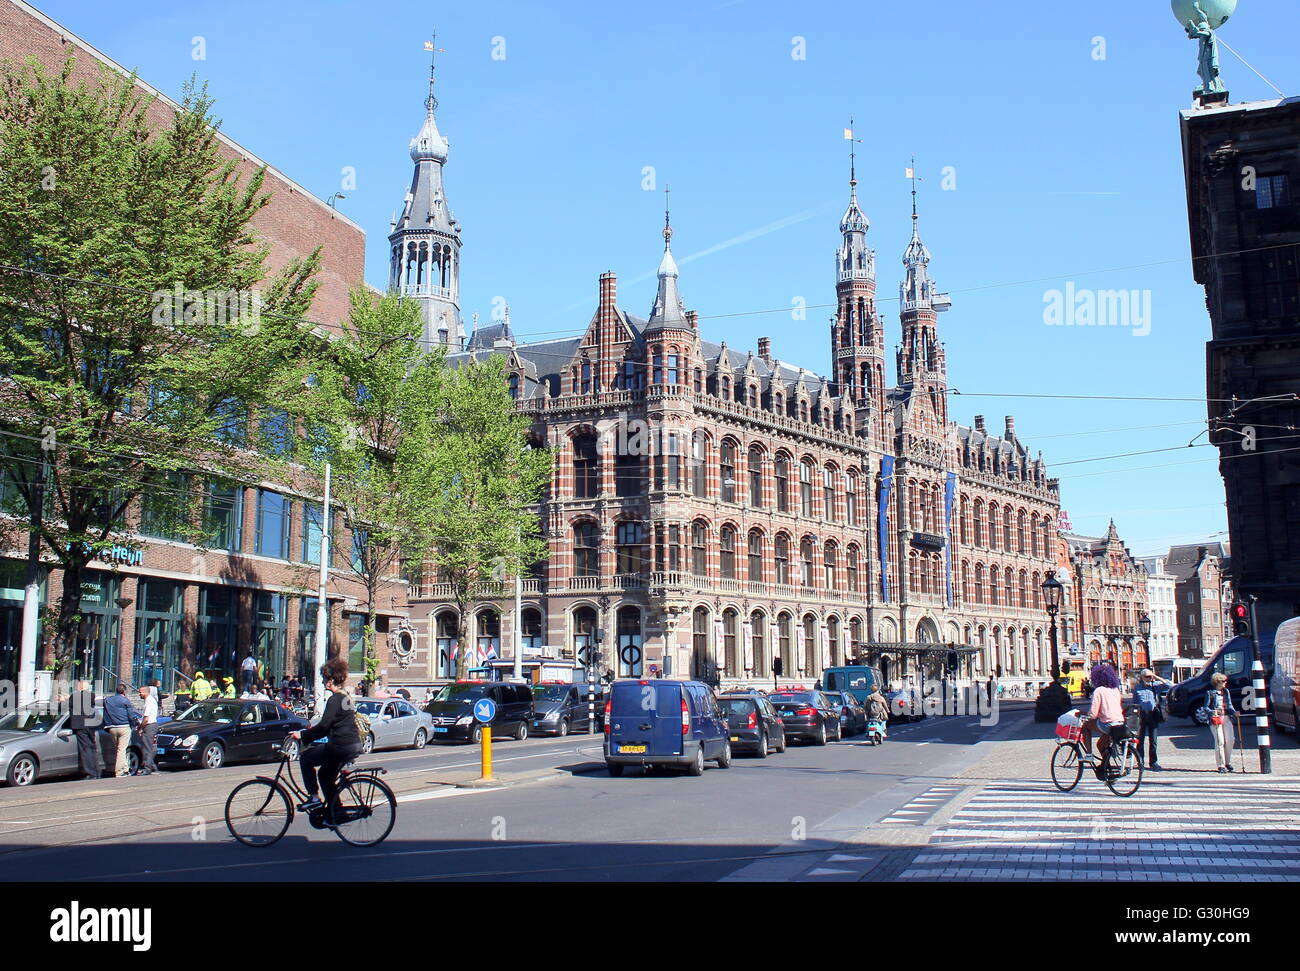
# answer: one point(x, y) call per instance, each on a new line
point(1284, 693)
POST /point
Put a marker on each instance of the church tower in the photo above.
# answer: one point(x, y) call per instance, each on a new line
point(857, 333)
point(922, 368)
point(424, 261)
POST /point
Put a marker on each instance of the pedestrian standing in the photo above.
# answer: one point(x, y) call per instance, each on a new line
point(248, 671)
point(148, 729)
point(84, 723)
point(1218, 702)
point(1151, 714)
point(119, 718)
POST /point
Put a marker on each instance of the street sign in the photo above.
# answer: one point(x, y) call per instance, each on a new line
point(485, 710)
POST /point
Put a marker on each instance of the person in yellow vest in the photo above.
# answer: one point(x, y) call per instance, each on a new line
point(229, 690)
point(200, 687)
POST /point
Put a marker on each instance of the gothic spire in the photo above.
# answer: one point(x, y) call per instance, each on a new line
point(917, 290)
point(668, 310)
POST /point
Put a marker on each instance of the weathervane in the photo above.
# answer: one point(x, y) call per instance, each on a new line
point(1201, 18)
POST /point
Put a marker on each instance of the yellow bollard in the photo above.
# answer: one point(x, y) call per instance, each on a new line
point(486, 762)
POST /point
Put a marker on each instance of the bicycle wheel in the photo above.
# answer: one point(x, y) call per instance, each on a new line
point(364, 811)
point(1067, 767)
point(1129, 776)
point(258, 812)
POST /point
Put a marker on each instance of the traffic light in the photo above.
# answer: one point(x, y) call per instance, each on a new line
point(778, 666)
point(1240, 618)
point(952, 661)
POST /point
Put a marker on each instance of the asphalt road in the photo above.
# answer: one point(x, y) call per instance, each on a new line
point(561, 817)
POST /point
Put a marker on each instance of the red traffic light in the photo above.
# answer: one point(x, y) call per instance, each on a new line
point(1239, 611)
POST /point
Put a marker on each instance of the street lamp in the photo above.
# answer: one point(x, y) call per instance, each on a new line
point(1053, 591)
point(1144, 625)
point(330, 201)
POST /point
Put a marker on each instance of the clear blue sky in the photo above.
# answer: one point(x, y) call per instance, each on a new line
point(1068, 168)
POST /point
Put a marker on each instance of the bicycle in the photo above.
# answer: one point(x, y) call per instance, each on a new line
point(364, 809)
point(1068, 761)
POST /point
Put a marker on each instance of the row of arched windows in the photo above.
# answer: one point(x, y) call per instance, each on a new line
point(998, 587)
point(993, 526)
point(735, 645)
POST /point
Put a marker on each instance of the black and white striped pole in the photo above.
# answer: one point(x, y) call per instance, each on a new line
point(1260, 704)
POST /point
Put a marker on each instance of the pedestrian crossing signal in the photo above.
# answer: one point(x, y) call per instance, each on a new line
point(1240, 618)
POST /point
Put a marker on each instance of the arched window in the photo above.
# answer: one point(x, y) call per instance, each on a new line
point(1008, 541)
point(965, 521)
point(829, 558)
point(630, 655)
point(730, 658)
point(630, 548)
point(487, 624)
point(531, 628)
point(980, 534)
point(851, 497)
point(979, 583)
point(851, 568)
point(586, 550)
point(806, 488)
point(1034, 536)
point(446, 635)
point(828, 492)
point(994, 525)
point(758, 642)
point(782, 558)
point(806, 559)
point(1020, 533)
point(833, 637)
point(586, 467)
point(701, 657)
point(915, 582)
point(810, 648)
point(755, 463)
point(965, 582)
point(584, 629)
point(756, 556)
point(1023, 600)
point(699, 466)
point(855, 637)
point(728, 461)
point(699, 549)
point(784, 633)
point(727, 552)
point(782, 469)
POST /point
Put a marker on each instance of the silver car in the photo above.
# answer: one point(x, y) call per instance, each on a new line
point(394, 723)
point(36, 743)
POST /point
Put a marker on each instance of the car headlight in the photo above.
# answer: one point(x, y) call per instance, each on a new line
point(464, 719)
point(189, 741)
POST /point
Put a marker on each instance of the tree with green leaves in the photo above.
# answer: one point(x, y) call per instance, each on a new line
point(486, 480)
point(138, 324)
point(366, 418)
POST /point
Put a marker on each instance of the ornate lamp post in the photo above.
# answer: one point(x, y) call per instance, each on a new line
point(1144, 625)
point(1053, 591)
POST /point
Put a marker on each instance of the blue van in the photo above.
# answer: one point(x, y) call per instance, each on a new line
point(859, 680)
point(1235, 658)
point(664, 722)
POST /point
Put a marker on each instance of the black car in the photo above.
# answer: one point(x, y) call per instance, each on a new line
point(452, 710)
point(853, 717)
point(752, 723)
point(560, 708)
point(211, 733)
point(807, 714)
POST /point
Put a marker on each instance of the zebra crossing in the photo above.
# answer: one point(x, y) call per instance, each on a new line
point(1175, 827)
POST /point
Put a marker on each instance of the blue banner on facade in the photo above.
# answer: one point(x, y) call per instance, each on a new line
point(886, 487)
point(949, 494)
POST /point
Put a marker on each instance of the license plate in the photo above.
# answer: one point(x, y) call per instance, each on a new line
point(735, 738)
point(631, 749)
point(442, 728)
point(162, 751)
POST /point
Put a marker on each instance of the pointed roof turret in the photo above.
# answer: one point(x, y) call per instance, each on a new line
point(918, 291)
point(854, 261)
point(668, 310)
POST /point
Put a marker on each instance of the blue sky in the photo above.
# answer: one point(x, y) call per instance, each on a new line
point(1067, 165)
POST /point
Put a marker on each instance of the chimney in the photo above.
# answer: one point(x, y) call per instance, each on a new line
point(608, 289)
point(979, 424)
point(1011, 426)
point(692, 316)
point(765, 348)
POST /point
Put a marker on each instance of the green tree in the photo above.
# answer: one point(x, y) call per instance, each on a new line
point(366, 419)
point(137, 322)
point(485, 481)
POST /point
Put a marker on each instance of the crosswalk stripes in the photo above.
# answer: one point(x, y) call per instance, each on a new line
point(922, 807)
point(1219, 830)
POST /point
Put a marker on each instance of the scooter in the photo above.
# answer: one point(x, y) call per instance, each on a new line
point(875, 731)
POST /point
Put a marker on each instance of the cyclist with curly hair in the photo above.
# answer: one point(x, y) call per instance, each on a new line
point(1107, 708)
point(338, 725)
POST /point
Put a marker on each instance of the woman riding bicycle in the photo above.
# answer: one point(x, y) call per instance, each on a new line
point(1107, 709)
point(338, 724)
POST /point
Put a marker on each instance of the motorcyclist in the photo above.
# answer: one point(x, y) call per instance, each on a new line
point(878, 708)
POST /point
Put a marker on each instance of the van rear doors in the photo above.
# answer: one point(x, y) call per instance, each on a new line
point(645, 718)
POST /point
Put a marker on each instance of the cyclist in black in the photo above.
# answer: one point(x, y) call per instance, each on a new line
point(338, 725)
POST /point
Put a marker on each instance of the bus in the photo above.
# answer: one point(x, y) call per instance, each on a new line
point(1176, 669)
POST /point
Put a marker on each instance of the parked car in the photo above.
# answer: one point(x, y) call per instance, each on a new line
point(560, 707)
point(662, 722)
point(752, 723)
point(808, 715)
point(211, 733)
point(853, 717)
point(1235, 659)
point(394, 723)
point(905, 704)
point(35, 743)
point(452, 710)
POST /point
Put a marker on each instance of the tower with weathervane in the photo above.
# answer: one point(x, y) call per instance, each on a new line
point(424, 244)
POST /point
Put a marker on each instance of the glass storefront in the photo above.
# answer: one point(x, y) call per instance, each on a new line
point(159, 620)
point(215, 649)
point(307, 636)
point(270, 630)
point(96, 654)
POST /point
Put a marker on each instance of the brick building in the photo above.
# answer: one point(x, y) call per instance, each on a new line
point(1108, 599)
point(1241, 171)
point(713, 508)
point(1162, 607)
point(254, 586)
point(1198, 593)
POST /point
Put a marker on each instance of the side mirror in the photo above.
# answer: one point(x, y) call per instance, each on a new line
point(65, 733)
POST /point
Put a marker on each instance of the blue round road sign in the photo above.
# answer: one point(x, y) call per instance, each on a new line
point(485, 710)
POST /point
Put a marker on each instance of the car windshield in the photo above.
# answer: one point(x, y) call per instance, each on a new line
point(464, 693)
point(218, 714)
point(28, 720)
point(835, 697)
point(368, 707)
point(550, 692)
point(736, 706)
